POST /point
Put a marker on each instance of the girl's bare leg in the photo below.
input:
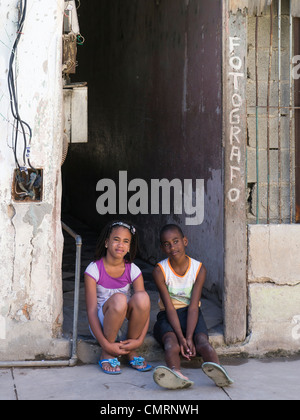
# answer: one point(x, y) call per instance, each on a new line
point(138, 315)
point(114, 311)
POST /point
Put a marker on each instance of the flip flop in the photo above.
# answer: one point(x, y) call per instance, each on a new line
point(139, 361)
point(217, 373)
point(167, 378)
point(113, 363)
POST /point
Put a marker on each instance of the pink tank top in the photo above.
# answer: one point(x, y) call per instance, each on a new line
point(107, 285)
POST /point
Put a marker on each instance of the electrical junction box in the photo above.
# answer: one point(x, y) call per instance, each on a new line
point(27, 185)
point(76, 112)
point(69, 57)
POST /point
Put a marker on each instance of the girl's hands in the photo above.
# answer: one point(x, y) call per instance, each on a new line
point(116, 349)
point(130, 344)
point(122, 348)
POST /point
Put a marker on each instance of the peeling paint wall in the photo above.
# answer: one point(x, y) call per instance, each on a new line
point(274, 288)
point(31, 240)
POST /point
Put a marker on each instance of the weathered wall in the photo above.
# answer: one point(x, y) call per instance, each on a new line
point(269, 326)
point(30, 233)
point(274, 288)
point(154, 75)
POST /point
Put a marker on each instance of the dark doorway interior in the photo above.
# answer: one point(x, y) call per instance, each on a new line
point(154, 74)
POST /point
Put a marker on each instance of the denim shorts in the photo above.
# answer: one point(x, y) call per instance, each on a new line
point(162, 325)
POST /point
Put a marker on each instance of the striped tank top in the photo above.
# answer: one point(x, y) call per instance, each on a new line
point(179, 287)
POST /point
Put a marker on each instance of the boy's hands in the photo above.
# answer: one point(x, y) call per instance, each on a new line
point(191, 346)
point(187, 348)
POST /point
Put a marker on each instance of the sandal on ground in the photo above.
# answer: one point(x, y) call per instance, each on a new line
point(139, 361)
point(113, 363)
point(168, 378)
point(217, 373)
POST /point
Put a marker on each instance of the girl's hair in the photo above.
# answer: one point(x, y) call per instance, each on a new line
point(101, 250)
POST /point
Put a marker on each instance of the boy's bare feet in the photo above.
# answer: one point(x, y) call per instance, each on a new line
point(170, 379)
point(180, 374)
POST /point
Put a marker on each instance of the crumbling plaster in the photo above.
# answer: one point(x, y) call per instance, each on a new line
point(274, 288)
point(31, 240)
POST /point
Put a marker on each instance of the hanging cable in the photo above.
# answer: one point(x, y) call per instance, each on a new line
point(20, 125)
point(28, 180)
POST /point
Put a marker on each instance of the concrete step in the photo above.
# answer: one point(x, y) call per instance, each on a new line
point(89, 351)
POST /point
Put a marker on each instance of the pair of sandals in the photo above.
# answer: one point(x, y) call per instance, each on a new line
point(135, 363)
point(168, 378)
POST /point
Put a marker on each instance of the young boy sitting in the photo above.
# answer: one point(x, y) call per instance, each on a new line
point(180, 326)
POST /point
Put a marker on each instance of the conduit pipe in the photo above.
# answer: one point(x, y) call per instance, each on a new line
point(73, 360)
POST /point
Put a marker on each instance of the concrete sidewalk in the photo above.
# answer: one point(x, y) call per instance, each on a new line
point(268, 379)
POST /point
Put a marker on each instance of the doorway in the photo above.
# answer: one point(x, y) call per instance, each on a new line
point(154, 75)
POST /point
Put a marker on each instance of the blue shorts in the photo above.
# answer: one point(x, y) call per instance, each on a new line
point(162, 325)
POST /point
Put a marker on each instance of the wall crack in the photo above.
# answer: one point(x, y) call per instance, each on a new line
point(267, 280)
point(11, 211)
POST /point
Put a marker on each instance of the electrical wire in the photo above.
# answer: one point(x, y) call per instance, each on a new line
point(19, 125)
point(26, 182)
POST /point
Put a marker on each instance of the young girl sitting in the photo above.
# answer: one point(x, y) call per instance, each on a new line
point(109, 301)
